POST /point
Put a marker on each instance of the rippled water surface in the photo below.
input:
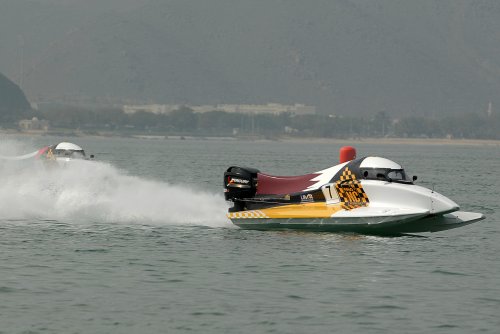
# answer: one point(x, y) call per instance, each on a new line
point(138, 242)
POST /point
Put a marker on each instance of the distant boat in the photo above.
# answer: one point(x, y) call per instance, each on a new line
point(62, 152)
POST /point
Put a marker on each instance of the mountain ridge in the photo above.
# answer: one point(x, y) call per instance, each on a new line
point(344, 56)
point(13, 102)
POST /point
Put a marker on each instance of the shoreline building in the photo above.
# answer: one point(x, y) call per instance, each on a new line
point(157, 109)
point(33, 124)
point(270, 108)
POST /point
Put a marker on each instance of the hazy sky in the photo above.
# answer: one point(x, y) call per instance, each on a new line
point(346, 56)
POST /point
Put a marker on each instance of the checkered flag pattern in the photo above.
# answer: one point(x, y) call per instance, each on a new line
point(350, 191)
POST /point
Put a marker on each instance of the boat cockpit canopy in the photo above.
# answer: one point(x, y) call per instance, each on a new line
point(68, 150)
point(376, 168)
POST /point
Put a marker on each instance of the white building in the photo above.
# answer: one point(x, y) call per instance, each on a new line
point(270, 108)
point(34, 124)
point(152, 108)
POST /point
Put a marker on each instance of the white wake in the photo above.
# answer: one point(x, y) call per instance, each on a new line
point(96, 191)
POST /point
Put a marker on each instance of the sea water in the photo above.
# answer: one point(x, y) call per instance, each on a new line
point(137, 242)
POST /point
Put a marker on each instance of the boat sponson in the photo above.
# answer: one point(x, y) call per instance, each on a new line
point(367, 225)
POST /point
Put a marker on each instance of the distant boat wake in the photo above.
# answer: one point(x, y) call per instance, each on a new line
point(20, 157)
point(98, 192)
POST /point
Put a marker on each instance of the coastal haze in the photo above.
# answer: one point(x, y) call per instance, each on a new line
point(343, 57)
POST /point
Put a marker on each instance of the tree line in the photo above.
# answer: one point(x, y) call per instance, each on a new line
point(220, 123)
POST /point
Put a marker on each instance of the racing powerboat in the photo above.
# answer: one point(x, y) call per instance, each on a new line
point(62, 152)
point(371, 195)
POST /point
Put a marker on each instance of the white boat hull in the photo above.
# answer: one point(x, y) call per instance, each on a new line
point(411, 223)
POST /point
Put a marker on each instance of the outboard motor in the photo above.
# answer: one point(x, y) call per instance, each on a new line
point(239, 183)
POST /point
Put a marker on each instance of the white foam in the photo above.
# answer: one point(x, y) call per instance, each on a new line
point(98, 192)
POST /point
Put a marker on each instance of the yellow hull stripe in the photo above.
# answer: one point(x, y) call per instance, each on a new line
point(304, 210)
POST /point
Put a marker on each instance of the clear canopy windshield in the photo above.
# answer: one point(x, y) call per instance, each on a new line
point(397, 175)
point(74, 154)
point(385, 174)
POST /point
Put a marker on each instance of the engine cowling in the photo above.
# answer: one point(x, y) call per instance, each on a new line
point(240, 182)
